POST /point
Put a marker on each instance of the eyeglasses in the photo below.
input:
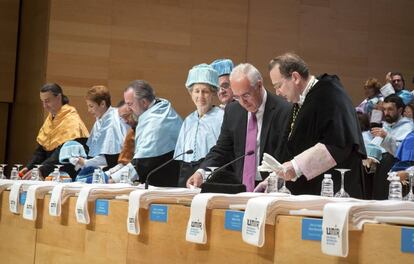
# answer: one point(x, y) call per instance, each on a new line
point(247, 95)
point(397, 80)
point(279, 84)
point(225, 86)
point(244, 96)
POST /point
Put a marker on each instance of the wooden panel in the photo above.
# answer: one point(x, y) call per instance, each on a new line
point(18, 236)
point(105, 240)
point(106, 237)
point(26, 112)
point(79, 48)
point(154, 245)
point(226, 246)
point(375, 244)
point(4, 111)
point(272, 29)
point(64, 240)
point(353, 39)
point(115, 42)
point(9, 23)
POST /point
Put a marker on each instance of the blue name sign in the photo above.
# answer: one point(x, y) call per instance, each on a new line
point(22, 198)
point(312, 229)
point(407, 240)
point(159, 213)
point(233, 220)
point(101, 207)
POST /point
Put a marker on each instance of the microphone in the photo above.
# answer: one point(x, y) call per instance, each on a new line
point(210, 177)
point(190, 151)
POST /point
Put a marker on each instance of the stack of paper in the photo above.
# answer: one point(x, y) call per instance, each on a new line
point(196, 227)
point(91, 192)
point(5, 184)
point(338, 218)
point(269, 163)
point(16, 188)
point(60, 194)
point(34, 192)
point(263, 210)
point(142, 198)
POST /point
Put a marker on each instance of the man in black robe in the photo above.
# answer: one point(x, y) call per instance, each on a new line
point(323, 133)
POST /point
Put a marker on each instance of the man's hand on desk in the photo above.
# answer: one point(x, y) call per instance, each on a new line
point(195, 180)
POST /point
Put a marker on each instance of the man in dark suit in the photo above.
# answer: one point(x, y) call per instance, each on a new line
point(254, 122)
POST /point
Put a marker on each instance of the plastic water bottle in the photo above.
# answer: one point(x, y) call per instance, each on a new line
point(327, 188)
point(272, 182)
point(14, 175)
point(2, 175)
point(101, 177)
point(125, 177)
point(35, 174)
point(395, 189)
point(56, 175)
point(96, 176)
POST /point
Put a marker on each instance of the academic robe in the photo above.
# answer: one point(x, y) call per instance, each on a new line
point(55, 131)
point(155, 141)
point(368, 104)
point(198, 134)
point(107, 137)
point(397, 132)
point(327, 116)
point(405, 95)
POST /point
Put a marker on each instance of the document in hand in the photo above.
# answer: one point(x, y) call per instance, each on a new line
point(269, 163)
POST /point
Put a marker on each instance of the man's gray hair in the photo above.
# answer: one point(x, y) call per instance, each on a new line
point(246, 70)
point(142, 90)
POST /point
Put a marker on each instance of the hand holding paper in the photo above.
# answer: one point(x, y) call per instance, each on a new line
point(269, 164)
point(285, 170)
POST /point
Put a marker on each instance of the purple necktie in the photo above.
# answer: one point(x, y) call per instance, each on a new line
point(249, 168)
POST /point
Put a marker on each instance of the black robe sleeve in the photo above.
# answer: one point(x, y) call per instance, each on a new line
point(327, 116)
point(39, 155)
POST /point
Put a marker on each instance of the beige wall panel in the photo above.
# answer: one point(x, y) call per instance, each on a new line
point(113, 42)
point(79, 48)
point(153, 47)
point(9, 23)
point(168, 40)
point(353, 39)
point(27, 114)
point(272, 30)
point(4, 111)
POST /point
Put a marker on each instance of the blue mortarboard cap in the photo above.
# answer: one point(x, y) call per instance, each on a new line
point(71, 149)
point(202, 73)
point(222, 66)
